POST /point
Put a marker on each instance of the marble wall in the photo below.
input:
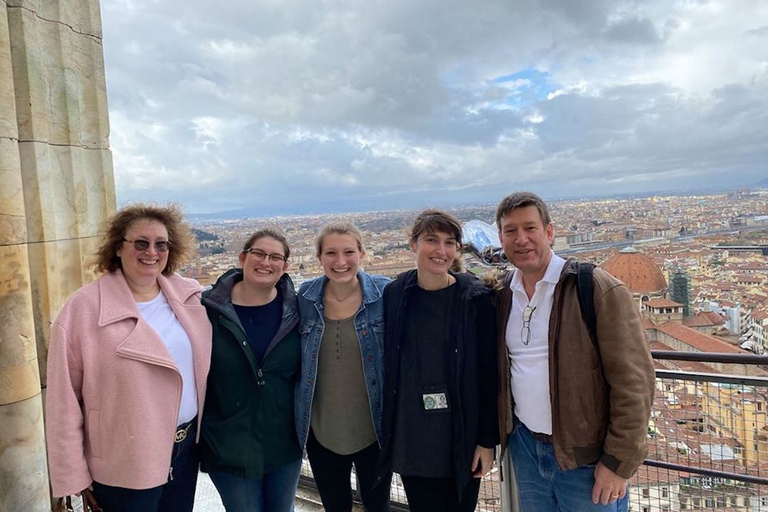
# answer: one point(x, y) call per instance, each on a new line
point(56, 187)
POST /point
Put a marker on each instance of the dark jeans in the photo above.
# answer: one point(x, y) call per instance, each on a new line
point(274, 492)
point(430, 494)
point(332, 473)
point(177, 495)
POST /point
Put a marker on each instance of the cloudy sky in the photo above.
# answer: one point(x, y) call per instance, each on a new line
point(298, 106)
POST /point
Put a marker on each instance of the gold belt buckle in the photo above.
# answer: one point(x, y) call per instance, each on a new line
point(181, 434)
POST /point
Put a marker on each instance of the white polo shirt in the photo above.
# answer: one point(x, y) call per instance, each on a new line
point(529, 364)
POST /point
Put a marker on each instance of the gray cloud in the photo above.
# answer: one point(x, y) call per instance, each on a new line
point(344, 104)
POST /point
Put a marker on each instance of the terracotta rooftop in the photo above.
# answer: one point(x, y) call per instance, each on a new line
point(636, 270)
point(688, 366)
point(700, 341)
point(662, 303)
point(704, 319)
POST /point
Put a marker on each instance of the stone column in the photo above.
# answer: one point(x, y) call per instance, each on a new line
point(56, 186)
point(23, 472)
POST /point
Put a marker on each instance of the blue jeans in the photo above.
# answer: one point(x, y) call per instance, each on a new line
point(274, 492)
point(544, 486)
point(177, 495)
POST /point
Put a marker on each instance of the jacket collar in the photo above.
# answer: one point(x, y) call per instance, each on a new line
point(466, 283)
point(314, 292)
point(221, 293)
point(120, 304)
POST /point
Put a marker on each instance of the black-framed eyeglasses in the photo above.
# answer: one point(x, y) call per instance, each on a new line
point(261, 255)
point(525, 332)
point(143, 245)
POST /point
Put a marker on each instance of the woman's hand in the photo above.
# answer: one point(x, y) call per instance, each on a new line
point(482, 461)
point(90, 488)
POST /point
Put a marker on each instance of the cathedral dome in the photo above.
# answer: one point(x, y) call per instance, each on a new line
point(637, 271)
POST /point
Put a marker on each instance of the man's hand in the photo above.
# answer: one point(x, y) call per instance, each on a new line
point(609, 486)
point(482, 461)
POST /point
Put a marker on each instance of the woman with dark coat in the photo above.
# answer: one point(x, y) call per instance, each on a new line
point(248, 441)
point(440, 416)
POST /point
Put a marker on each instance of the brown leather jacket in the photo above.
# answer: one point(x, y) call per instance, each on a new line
point(601, 395)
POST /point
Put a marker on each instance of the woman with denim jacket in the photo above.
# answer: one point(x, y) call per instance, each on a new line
point(339, 402)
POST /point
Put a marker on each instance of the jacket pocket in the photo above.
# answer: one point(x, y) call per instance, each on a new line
point(601, 390)
point(93, 431)
point(305, 328)
point(377, 328)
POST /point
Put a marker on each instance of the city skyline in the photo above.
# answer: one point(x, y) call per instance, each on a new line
point(343, 105)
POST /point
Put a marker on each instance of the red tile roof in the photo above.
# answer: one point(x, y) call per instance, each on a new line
point(700, 341)
point(662, 303)
point(637, 271)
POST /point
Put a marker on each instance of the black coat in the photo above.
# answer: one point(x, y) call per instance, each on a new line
point(472, 366)
point(248, 424)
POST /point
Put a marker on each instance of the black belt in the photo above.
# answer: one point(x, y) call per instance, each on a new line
point(182, 431)
point(544, 438)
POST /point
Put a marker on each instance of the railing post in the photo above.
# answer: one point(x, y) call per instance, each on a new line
point(510, 500)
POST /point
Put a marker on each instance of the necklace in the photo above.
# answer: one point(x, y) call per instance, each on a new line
point(357, 285)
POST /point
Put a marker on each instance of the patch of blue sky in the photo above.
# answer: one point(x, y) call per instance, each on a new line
point(526, 87)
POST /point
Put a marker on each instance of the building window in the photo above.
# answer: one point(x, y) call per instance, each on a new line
point(646, 492)
point(664, 492)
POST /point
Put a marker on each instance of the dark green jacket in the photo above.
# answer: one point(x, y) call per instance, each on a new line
point(248, 425)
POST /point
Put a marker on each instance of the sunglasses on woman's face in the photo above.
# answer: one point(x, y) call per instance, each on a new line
point(143, 245)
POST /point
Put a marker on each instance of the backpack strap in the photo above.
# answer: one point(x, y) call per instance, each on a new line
point(585, 289)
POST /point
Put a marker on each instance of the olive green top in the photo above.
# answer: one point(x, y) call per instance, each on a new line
point(341, 415)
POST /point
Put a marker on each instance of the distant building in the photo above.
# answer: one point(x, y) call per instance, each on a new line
point(680, 290)
point(659, 311)
point(729, 311)
point(639, 272)
point(708, 322)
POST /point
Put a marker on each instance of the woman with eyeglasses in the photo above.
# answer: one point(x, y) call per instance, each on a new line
point(440, 418)
point(248, 442)
point(127, 368)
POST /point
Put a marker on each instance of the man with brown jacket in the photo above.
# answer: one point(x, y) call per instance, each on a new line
point(574, 410)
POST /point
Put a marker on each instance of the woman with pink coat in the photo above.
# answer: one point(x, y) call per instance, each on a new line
point(127, 368)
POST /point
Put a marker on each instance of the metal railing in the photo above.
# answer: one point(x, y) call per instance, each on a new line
point(707, 440)
point(708, 435)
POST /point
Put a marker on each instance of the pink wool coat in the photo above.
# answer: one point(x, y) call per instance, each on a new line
point(114, 391)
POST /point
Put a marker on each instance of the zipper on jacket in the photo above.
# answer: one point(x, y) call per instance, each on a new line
point(260, 382)
point(170, 474)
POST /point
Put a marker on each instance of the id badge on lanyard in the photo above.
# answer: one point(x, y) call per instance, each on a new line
point(434, 400)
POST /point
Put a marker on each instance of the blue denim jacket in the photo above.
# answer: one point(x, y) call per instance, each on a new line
point(369, 325)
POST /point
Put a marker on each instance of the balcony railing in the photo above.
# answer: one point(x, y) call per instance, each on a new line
point(707, 439)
